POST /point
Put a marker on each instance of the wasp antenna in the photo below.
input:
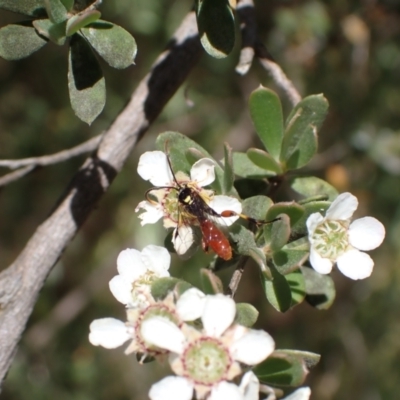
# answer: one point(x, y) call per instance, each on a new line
point(148, 191)
point(169, 163)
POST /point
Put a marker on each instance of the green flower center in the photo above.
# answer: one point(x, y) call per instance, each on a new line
point(330, 239)
point(206, 361)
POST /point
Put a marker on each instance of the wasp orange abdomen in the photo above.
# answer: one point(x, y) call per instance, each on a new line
point(214, 239)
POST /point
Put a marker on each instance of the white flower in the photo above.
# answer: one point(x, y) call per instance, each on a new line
point(303, 393)
point(109, 333)
point(137, 270)
point(334, 239)
point(206, 361)
point(154, 167)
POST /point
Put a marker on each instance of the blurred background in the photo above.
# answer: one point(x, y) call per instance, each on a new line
point(348, 50)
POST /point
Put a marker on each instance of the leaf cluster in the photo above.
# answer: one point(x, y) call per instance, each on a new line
point(65, 22)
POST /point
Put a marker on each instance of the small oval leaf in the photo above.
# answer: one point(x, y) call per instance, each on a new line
point(246, 314)
point(257, 207)
point(264, 160)
point(19, 41)
point(246, 168)
point(320, 289)
point(312, 186)
point(56, 11)
point(54, 32)
point(87, 90)
point(161, 287)
point(287, 260)
point(280, 232)
point(81, 20)
point(292, 209)
point(114, 44)
point(286, 367)
point(33, 8)
point(277, 290)
point(266, 113)
point(297, 287)
point(300, 137)
point(216, 23)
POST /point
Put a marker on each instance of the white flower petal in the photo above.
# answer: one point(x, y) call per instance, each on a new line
point(121, 289)
point(303, 393)
point(163, 333)
point(222, 203)
point(366, 233)
point(202, 172)
point(191, 304)
point(225, 391)
point(171, 388)
point(252, 348)
point(108, 332)
point(250, 386)
point(218, 314)
point(312, 222)
point(152, 213)
point(156, 259)
point(355, 264)
point(320, 264)
point(129, 264)
point(343, 207)
point(153, 166)
point(184, 240)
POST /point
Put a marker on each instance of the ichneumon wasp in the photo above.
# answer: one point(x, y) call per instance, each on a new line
point(192, 209)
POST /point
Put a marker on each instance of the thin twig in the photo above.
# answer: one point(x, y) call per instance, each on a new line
point(251, 47)
point(278, 75)
point(61, 156)
point(237, 276)
point(245, 10)
point(15, 175)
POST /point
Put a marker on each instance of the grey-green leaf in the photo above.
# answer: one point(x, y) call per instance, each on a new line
point(277, 290)
point(19, 41)
point(280, 232)
point(264, 160)
point(54, 32)
point(33, 8)
point(266, 113)
point(292, 209)
point(313, 186)
point(287, 260)
point(320, 289)
point(286, 367)
point(297, 287)
point(56, 11)
point(246, 314)
point(68, 4)
point(246, 168)
point(216, 23)
point(86, 83)
point(160, 288)
point(300, 228)
point(81, 20)
point(257, 206)
point(300, 137)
